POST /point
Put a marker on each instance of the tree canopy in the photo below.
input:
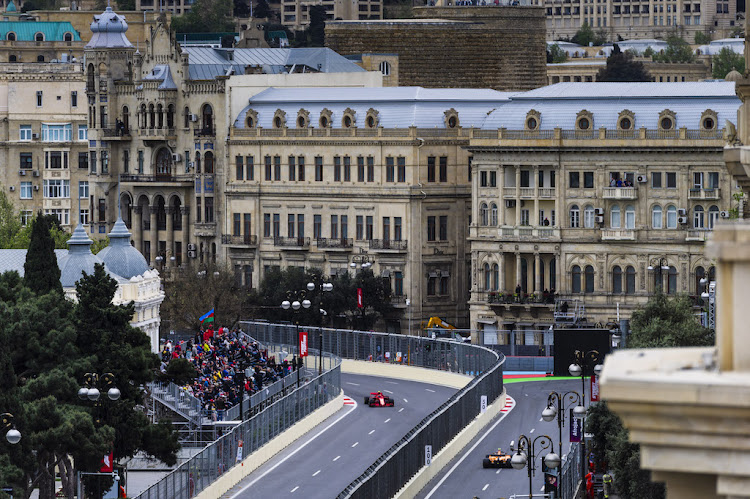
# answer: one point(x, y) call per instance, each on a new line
point(678, 50)
point(206, 16)
point(725, 61)
point(667, 322)
point(555, 54)
point(316, 30)
point(41, 273)
point(621, 67)
point(585, 36)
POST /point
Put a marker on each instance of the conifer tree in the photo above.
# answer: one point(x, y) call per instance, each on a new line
point(41, 273)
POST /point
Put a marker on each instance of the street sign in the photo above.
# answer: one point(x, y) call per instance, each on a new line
point(483, 404)
point(427, 455)
point(303, 344)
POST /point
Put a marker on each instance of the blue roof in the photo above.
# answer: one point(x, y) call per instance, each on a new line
point(53, 31)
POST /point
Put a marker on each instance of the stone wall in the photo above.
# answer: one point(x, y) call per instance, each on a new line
point(454, 47)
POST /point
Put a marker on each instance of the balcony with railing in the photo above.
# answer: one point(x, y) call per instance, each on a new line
point(159, 178)
point(205, 229)
point(546, 192)
point(698, 193)
point(528, 233)
point(334, 243)
point(292, 242)
point(162, 133)
point(119, 134)
point(618, 234)
point(398, 301)
point(244, 241)
point(511, 298)
point(620, 193)
point(697, 235)
point(205, 132)
point(388, 245)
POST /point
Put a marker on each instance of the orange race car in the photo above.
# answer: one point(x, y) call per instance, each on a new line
point(497, 459)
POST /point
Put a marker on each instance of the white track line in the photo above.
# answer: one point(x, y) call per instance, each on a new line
point(467, 453)
point(269, 470)
point(350, 383)
point(487, 486)
point(295, 488)
point(371, 432)
point(406, 401)
point(431, 391)
point(387, 420)
point(336, 458)
point(316, 473)
point(401, 409)
point(355, 444)
point(531, 430)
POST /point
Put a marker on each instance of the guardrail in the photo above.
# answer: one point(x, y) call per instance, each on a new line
point(402, 461)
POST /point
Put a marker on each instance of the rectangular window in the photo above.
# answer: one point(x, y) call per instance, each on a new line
point(540, 182)
point(443, 168)
point(83, 217)
point(386, 228)
point(344, 226)
point(102, 208)
point(588, 180)
point(334, 226)
point(317, 226)
point(398, 283)
point(337, 169)
point(92, 161)
point(57, 133)
point(105, 161)
point(553, 220)
point(318, 169)
point(239, 168)
point(246, 224)
point(525, 178)
point(401, 161)
point(276, 225)
point(656, 180)
point(369, 228)
point(63, 216)
point(671, 180)
point(250, 168)
point(697, 180)
point(83, 189)
point(292, 169)
point(277, 168)
point(26, 190)
point(525, 217)
point(573, 180)
point(370, 169)
point(126, 161)
point(397, 228)
point(713, 180)
point(301, 168)
point(266, 225)
point(74, 99)
point(431, 228)
point(290, 225)
point(140, 161)
point(24, 132)
point(198, 209)
point(444, 286)
point(389, 169)
point(57, 189)
point(483, 179)
point(347, 169)
point(300, 226)
point(39, 98)
point(471, 160)
point(83, 133)
point(236, 224)
point(26, 162)
point(552, 178)
point(268, 167)
point(360, 227)
point(443, 228)
point(360, 169)
point(431, 169)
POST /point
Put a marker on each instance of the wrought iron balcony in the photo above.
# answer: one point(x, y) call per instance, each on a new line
point(388, 244)
point(334, 243)
point(292, 242)
point(246, 240)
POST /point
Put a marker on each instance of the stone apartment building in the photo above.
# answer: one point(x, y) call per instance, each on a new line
point(600, 191)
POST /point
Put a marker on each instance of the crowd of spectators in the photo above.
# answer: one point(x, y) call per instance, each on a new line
point(220, 357)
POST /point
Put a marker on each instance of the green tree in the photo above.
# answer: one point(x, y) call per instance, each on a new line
point(206, 16)
point(317, 28)
point(262, 10)
point(241, 9)
point(555, 54)
point(179, 371)
point(725, 61)
point(584, 36)
point(678, 50)
point(622, 67)
point(126, 5)
point(10, 222)
point(702, 38)
point(41, 273)
point(667, 322)
point(99, 244)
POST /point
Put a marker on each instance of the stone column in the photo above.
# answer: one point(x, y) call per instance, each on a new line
point(138, 228)
point(501, 271)
point(501, 184)
point(154, 237)
point(170, 236)
point(536, 198)
point(558, 270)
point(518, 195)
point(518, 271)
point(184, 211)
point(537, 274)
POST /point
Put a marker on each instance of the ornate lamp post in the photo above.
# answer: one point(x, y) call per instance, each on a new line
point(552, 410)
point(324, 288)
point(581, 361)
point(363, 263)
point(296, 305)
point(524, 456)
point(13, 436)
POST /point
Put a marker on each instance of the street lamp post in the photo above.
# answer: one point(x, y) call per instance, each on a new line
point(364, 265)
point(295, 306)
point(524, 456)
point(13, 436)
point(324, 288)
point(552, 410)
point(581, 361)
point(709, 298)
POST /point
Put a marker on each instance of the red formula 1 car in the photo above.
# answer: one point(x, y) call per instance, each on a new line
point(497, 459)
point(378, 399)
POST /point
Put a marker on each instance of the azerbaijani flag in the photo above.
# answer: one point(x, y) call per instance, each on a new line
point(208, 317)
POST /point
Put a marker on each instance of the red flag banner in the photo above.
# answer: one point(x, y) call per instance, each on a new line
point(107, 463)
point(360, 299)
point(595, 388)
point(303, 344)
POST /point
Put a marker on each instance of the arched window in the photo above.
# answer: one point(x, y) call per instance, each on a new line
point(208, 158)
point(656, 218)
point(385, 68)
point(700, 273)
point(672, 278)
point(589, 273)
point(164, 162)
point(671, 217)
point(40, 58)
point(39, 37)
point(68, 37)
point(616, 279)
point(614, 217)
point(186, 123)
point(630, 280)
point(12, 58)
point(197, 162)
point(483, 214)
point(159, 116)
point(207, 114)
point(11, 37)
point(575, 216)
point(493, 214)
point(125, 119)
point(552, 274)
point(495, 277)
point(151, 116)
point(487, 277)
point(170, 116)
point(630, 217)
point(575, 281)
point(588, 217)
point(713, 216)
point(698, 217)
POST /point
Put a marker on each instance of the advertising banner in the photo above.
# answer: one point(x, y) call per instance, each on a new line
point(595, 388)
point(303, 344)
point(360, 300)
point(575, 428)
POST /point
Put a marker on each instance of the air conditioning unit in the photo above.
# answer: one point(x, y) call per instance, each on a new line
point(36, 173)
point(598, 211)
point(35, 136)
point(191, 254)
point(191, 247)
point(682, 220)
point(193, 117)
point(22, 173)
point(681, 212)
point(599, 219)
point(642, 179)
point(36, 187)
point(12, 188)
point(724, 214)
point(510, 203)
point(176, 157)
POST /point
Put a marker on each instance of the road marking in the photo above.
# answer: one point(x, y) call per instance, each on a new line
point(316, 473)
point(487, 486)
point(526, 394)
point(388, 391)
point(348, 401)
point(392, 382)
point(509, 405)
point(371, 432)
point(355, 444)
point(350, 383)
point(498, 472)
point(406, 401)
point(401, 409)
point(541, 419)
point(289, 456)
point(531, 430)
point(387, 420)
point(295, 488)
point(337, 458)
point(542, 489)
point(433, 391)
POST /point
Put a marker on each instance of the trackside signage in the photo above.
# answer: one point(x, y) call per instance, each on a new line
point(575, 428)
point(303, 344)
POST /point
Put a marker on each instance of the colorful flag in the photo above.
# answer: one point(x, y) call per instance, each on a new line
point(360, 298)
point(303, 344)
point(208, 317)
point(107, 463)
